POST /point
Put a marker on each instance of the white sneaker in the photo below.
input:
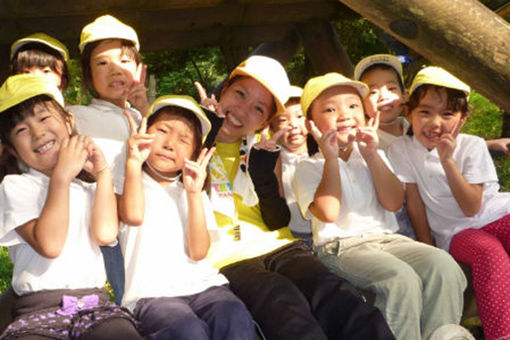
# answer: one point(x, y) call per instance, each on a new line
point(451, 332)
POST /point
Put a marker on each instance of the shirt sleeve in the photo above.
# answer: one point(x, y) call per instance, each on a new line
point(306, 180)
point(477, 166)
point(400, 161)
point(21, 202)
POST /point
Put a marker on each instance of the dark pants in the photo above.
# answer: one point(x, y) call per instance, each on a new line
point(292, 295)
point(215, 314)
point(114, 265)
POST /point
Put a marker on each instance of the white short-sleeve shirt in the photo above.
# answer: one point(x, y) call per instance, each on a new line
point(80, 264)
point(360, 210)
point(155, 253)
point(386, 139)
point(413, 163)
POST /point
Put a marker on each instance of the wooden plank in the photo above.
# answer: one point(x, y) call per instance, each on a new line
point(476, 49)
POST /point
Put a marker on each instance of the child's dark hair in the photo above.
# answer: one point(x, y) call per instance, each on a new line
point(456, 100)
point(17, 114)
point(35, 54)
point(384, 67)
point(128, 49)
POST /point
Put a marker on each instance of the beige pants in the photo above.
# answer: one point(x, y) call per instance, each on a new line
point(418, 288)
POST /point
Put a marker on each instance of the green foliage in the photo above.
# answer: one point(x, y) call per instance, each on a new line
point(485, 120)
point(5, 269)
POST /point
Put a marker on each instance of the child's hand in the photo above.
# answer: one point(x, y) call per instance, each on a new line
point(209, 103)
point(139, 142)
point(195, 173)
point(272, 143)
point(367, 138)
point(137, 93)
point(327, 142)
point(448, 142)
point(95, 163)
point(72, 156)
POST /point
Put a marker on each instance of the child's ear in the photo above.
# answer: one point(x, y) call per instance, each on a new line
point(69, 121)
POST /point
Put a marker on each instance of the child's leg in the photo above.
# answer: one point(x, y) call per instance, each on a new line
point(113, 329)
point(226, 315)
point(170, 318)
point(491, 276)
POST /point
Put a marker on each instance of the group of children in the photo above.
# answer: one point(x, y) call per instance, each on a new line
point(187, 205)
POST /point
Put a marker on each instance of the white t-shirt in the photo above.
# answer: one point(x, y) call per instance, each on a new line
point(289, 162)
point(413, 163)
point(155, 253)
point(80, 264)
point(386, 139)
point(360, 210)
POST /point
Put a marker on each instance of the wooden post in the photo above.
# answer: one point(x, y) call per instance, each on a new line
point(323, 49)
point(463, 36)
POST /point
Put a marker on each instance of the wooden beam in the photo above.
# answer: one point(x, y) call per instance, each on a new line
point(463, 36)
point(323, 49)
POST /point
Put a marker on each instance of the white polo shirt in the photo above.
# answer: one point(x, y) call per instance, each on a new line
point(360, 210)
point(155, 254)
point(80, 264)
point(386, 139)
point(413, 163)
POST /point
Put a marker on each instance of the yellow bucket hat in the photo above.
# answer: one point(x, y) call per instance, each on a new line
point(434, 75)
point(185, 102)
point(315, 86)
point(386, 59)
point(270, 73)
point(107, 27)
point(44, 39)
point(20, 87)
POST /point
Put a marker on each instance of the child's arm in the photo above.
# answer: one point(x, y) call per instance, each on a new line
point(131, 203)
point(418, 214)
point(193, 177)
point(328, 196)
point(104, 220)
point(499, 146)
point(468, 196)
point(47, 234)
point(389, 189)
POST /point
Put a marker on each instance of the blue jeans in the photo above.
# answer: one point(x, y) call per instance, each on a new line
point(114, 265)
point(215, 314)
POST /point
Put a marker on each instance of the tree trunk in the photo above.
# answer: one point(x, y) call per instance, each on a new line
point(463, 36)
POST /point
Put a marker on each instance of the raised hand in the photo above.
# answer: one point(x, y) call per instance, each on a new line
point(448, 142)
point(195, 173)
point(95, 163)
point(137, 93)
point(367, 138)
point(327, 142)
point(209, 103)
point(72, 156)
point(139, 142)
point(270, 144)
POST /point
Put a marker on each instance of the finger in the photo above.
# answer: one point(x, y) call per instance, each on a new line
point(131, 122)
point(201, 91)
point(208, 156)
point(143, 126)
point(316, 134)
point(456, 130)
point(201, 155)
point(278, 134)
point(143, 74)
point(264, 133)
point(375, 120)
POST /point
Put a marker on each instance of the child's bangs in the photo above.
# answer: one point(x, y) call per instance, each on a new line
point(17, 114)
point(456, 100)
point(129, 50)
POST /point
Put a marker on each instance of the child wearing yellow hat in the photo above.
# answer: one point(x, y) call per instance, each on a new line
point(41, 54)
point(54, 221)
point(452, 191)
point(114, 75)
point(168, 226)
point(350, 192)
point(289, 292)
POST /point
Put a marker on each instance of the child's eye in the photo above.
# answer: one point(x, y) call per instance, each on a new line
point(161, 130)
point(353, 106)
point(329, 109)
point(259, 110)
point(240, 93)
point(19, 130)
point(448, 113)
point(43, 118)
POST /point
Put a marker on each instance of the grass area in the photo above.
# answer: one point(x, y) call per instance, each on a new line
point(485, 121)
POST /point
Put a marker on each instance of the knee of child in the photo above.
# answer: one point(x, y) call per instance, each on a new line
point(405, 282)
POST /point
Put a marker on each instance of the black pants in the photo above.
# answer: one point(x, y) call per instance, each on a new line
point(292, 295)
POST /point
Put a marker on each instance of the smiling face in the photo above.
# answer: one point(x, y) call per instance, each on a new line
point(37, 138)
point(292, 119)
point(112, 71)
point(338, 108)
point(385, 94)
point(432, 117)
point(174, 142)
point(247, 105)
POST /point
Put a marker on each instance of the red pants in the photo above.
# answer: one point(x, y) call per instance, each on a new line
point(486, 251)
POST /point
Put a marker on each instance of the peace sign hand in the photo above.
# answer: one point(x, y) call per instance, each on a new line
point(210, 104)
point(448, 142)
point(139, 142)
point(327, 142)
point(195, 173)
point(270, 144)
point(367, 138)
point(137, 93)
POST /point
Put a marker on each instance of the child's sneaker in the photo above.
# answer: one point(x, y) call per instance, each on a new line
point(451, 332)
